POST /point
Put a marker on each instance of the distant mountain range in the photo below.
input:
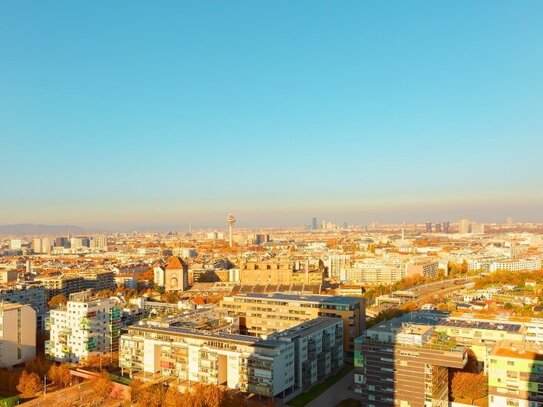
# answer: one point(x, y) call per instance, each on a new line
point(35, 229)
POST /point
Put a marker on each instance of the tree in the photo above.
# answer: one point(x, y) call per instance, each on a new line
point(104, 294)
point(98, 361)
point(38, 365)
point(57, 300)
point(60, 374)
point(102, 386)
point(29, 384)
point(469, 386)
point(173, 397)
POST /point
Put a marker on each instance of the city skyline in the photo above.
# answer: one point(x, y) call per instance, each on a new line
point(114, 117)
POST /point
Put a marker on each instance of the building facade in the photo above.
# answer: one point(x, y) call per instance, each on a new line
point(17, 334)
point(398, 363)
point(279, 272)
point(174, 276)
point(281, 365)
point(33, 295)
point(264, 314)
point(84, 327)
point(515, 375)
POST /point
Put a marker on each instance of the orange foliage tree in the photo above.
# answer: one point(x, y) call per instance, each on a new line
point(102, 386)
point(469, 386)
point(57, 300)
point(29, 384)
point(38, 365)
point(60, 374)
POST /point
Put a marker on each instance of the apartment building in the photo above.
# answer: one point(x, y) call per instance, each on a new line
point(318, 350)
point(17, 334)
point(531, 331)
point(83, 327)
point(369, 274)
point(281, 365)
point(337, 262)
point(98, 242)
point(33, 295)
point(515, 375)
point(480, 336)
point(516, 265)
point(42, 245)
point(67, 284)
point(98, 280)
point(7, 276)
point(263, 314)
point(388, 271)
point(402, 363)
point(491, 264)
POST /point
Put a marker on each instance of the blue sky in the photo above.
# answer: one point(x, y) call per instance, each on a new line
point(144, 113)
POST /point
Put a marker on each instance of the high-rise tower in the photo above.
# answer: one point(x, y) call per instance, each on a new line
point(230, 220)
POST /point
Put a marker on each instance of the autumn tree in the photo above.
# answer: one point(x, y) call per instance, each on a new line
point(104, 294)
point(60, 374)
point(38, 365)
point(137, 394)
point(469, 386)
point(57, 301)
point(102, 386)
point(173, 397)
point(29, 384)
point(98, 362)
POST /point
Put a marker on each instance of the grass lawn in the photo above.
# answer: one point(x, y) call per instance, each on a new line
point(119, 379)
point(9, 401)
point(319, 388)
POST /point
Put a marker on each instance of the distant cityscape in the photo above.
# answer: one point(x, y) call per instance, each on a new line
point(398, 314)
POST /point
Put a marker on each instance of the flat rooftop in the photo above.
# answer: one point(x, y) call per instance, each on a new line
point(322, 299)
point(499, 326)
point(5, 306)
point(194, 333)
point(306, 328)
point(517, 349)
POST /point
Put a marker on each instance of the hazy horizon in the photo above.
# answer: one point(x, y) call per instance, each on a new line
point(115, 115)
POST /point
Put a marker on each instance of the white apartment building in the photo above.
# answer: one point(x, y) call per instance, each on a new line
point(99, 242)
point(464, 226)
point(516, 265)
point(336, 262)
point(17, 334)
point(15, 244)
point(83, 327)
point(372, 274)
point(281, 365)
point(389, 270)
point(42, 245)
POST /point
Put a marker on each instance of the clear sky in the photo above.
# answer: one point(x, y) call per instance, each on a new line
point(121, 113)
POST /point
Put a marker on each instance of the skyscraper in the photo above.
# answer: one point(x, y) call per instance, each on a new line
point(314, 223)
point(428, 227)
